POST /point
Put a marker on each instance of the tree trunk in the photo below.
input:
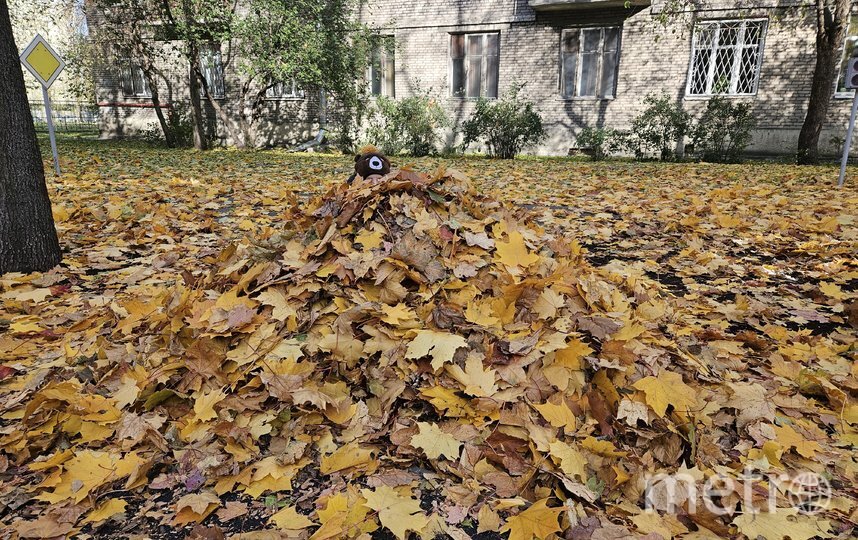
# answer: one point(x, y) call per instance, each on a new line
point(831, 21)
point(201, 142)
point(234, 134)
point(169, 137)
point(28, 239)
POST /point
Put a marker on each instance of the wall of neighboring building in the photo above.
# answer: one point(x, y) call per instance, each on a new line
point(652, 59)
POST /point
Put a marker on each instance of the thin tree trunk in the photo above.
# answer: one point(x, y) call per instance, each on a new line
point(169, 137)
point(831, 20)
point(28, 239)
point(200, 140)
point(235, 135)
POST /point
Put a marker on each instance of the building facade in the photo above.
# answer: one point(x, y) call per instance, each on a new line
point(585, 63)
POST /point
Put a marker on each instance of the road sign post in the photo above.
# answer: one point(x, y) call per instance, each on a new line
point(852, 83)
point(45, 64)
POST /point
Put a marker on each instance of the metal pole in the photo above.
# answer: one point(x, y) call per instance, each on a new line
point(51, 129)
point(847, 144)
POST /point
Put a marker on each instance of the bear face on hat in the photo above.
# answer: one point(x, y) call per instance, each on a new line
point(370, 162)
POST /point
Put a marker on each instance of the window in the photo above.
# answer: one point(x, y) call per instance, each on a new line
point(726, 57)
point(284, 90)
point(382, 69)
point(474, 65)
point(133, 81)
point(212, 68)
point(848, 48)
point(589, 60)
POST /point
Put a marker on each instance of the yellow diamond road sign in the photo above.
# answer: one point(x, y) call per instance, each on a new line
point(42, 61)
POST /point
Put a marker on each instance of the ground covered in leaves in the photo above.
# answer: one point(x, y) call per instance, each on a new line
point(237, 345)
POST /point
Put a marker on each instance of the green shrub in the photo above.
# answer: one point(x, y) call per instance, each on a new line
point(723, 131)
point(658, 128)
point(601, 142)
point(506, 125)
point(409, 125)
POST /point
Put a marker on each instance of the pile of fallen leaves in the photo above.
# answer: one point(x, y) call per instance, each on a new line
point(410, 356)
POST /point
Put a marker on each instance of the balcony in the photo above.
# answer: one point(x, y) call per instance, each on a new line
point(568, 5)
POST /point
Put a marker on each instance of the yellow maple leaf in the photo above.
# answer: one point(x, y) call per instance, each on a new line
point(205, 402)
point(435, 443)
point(488, 520)
point(481, 313)
point(790, 438)
point(441, 346)
point(87, 470)
point(667, 389)
point(106, 510)
point(25, 325)
point(832, 290)
point(344, 516)
point(32, 295)
point(369, 239)
point(195, 507)
point(397, 513)
point(538, 521)
point(477, 381)
point(345, 457)
point(571, 461)
point(603, 448)
point(558, 415)
point(289, 519)
point(781, 523)
point(398, 314)
point(127, 392)
point(571, 356)
point(513, 252)
point(276, 297)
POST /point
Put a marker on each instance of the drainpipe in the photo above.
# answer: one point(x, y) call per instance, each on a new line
point(323, 122)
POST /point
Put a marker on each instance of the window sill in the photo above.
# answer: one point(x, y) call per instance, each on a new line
point(285, 98)
point(474, 99)
point(704, 97)
point(844, 95)
point(585, 99)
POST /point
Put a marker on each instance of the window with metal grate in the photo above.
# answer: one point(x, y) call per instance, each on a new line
point(726, 57)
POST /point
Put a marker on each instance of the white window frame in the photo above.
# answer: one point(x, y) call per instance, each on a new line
point(127, 69)
point(212, 50)
point(483, 70)
point(276, 92)
point(386, 51)
point(736, 66)
point(848, 94)
point(579, 65)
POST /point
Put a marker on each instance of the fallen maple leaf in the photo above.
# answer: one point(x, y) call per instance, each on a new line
point(782, 523)
point(668, 389)
point(538, 522)
point(289, 519)
point(441, 346)
point(435, 443)
point(513, 252)
point(397, 513)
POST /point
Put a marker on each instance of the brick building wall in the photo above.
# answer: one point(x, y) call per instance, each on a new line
point(651, 59)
